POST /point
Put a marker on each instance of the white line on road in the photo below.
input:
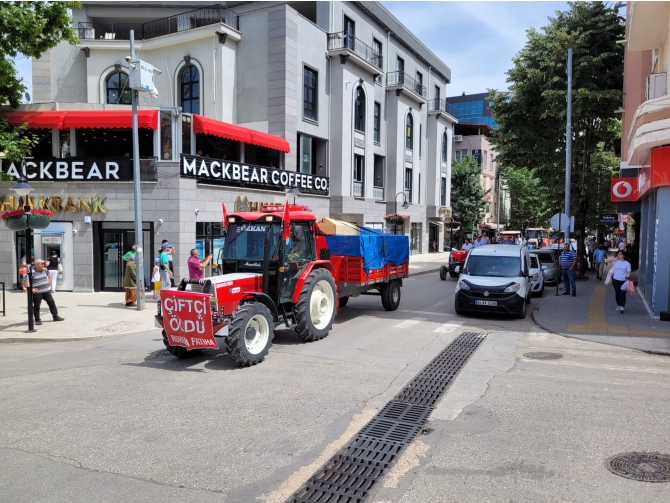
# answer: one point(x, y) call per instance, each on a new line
point(409, 323)
point(426, 312)
point(448, 327)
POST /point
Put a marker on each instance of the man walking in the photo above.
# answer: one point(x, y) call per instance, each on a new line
point(600, 255)
point(568, 261)
point(164, 267)
point(170, 255)
point(42, 290)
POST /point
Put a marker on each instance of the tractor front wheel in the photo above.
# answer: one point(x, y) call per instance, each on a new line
point(179, 351)
point(315, 309)
point(250, 334)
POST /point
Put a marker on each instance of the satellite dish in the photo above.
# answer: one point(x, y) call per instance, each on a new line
point(27, 95)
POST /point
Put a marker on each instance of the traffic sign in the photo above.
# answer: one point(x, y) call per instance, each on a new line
point(564, 226)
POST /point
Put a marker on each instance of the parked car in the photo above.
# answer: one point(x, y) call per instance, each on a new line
point(495, 278)
point(549, 262)
point(536, 275)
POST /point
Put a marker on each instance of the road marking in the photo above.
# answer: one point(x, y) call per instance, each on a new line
point(448, 327)
point(426, 312)
point(409, 323)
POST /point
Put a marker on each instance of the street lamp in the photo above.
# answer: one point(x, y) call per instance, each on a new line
point(293, 191)
point(22, 189)
point(404, 206)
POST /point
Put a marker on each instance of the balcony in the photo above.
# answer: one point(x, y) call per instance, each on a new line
point(363, 55)
point(650, 128)
point(401, 82)
point(358, 189)
point(217, 14)
point(440, 107)
point(378, 193)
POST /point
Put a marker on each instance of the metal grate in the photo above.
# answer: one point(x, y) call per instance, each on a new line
point(352, 474)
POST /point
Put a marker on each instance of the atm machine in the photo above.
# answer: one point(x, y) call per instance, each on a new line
point(57, 236)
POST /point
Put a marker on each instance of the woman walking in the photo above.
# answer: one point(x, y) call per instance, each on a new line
point(130, 281)
point(621, 271)
point(52, 267)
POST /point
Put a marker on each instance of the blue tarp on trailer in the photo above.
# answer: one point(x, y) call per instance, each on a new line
point(376, 248)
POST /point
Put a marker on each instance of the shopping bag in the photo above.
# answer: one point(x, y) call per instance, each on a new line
point(625, 286)
point(608, 279)
point(631, 287)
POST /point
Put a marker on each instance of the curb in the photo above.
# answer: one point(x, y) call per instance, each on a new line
point(31, 340)
point(424, 272)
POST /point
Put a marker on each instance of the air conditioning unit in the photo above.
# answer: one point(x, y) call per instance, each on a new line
point(458, 138)
point(655, 87)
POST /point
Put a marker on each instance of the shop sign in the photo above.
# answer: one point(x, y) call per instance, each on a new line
point(221, 172)
point(55, 204)
point(609, 219)
point(187, 319)
point(624, 189)
point(117, 169)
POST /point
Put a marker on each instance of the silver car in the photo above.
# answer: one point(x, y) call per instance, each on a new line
point(536, 276)
point(549, 264)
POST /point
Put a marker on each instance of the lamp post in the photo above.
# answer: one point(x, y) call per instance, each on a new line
point(404, 206)
point(293, 191)
point(22, 189)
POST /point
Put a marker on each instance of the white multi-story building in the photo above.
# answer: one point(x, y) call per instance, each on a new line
point(339, 91)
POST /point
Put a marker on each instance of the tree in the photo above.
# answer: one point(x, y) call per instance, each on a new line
point(28, 28)
point(532, 117)
point(467, 194)
point(529, 198)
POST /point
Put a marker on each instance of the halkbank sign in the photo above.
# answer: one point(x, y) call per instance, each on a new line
point(222, 172)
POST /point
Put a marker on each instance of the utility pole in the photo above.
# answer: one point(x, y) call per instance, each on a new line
point(139, 241)
point(498, 203)
point(568, 142)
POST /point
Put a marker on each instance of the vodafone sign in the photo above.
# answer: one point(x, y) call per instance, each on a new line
point(624, 189)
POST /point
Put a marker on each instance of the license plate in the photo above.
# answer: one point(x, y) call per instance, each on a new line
point(486, 303)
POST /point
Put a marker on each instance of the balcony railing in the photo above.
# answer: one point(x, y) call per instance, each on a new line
point(358, 189)
point(438, 105)
point(378, 193)
point(342, 40)
point(451, 110)
point(402, 79)
point(165, 26)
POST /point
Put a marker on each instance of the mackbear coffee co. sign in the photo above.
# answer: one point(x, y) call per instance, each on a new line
point(118, 169)
point(221, 172)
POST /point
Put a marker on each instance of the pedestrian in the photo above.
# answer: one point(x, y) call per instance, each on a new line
point(130, 281)
point(568, 260)
point(170, 251)
point(467, 246)
point(41, 290)
point(131, 253)
point(478, 242)
point(52, 267)
point(622, 245)
point(600, 256)
point(156, 278)
point(195, 268)
point(164, 266)
point(620, 273)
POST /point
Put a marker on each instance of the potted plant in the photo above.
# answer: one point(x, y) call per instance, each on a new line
point(395, 218)
point(19, 220)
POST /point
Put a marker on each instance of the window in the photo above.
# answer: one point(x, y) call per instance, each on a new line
point(190, 90)
point(408, 184)
point(301, 244)
point(166, 135)
point(485, 159)
point(309, 110)
point(444, 146)
point(420, 138)
point(400, 68)
point(359, 168)
point(409, 134)
point(359, 110)
point(437, 95)
point(443, 191)
point(419, 83)
point(461, 154)
point(349, 33)
point(307, 157)
point(377, 57)
point(118, 89)
point(377, 124)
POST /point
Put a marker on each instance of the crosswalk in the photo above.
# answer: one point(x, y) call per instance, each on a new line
point(445, 328)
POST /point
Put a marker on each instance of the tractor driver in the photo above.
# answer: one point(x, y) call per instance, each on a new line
point(298, 251)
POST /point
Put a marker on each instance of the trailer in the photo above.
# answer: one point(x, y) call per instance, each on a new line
point(279, 269)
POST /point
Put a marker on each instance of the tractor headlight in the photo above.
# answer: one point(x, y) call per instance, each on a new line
point(512, 288)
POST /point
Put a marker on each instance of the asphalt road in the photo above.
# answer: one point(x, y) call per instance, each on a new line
point(120, 419)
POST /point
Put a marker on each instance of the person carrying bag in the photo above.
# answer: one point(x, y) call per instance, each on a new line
point(620, 271)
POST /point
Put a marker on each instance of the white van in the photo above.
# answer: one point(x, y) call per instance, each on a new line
point(495, 278)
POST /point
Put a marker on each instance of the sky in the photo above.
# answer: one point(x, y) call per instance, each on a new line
point(477, 40)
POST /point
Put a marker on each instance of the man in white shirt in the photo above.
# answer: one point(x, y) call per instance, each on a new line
point(485, 239)
point(478, 242)
point(467, 245)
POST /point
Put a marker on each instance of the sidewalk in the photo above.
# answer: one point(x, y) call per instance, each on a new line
point(591, 316)
point(427, 262)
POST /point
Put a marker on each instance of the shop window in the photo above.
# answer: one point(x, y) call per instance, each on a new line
point(409, 134)
point(118, 89)
point(190, 90)
point(359, 110)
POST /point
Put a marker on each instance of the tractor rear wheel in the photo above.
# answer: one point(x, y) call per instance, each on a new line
point(391, 295)
point(250, 334)
point(315, 309)
point(344, 301)
point(443, 272)
point(179, 351)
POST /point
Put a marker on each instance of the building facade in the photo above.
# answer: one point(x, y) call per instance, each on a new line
point(643, 187)
point(340, 92)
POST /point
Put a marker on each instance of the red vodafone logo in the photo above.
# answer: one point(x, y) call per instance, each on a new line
point(624, 189)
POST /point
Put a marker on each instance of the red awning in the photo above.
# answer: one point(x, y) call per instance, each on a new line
point(36, 119)
point(113, 119)
point(206, 125)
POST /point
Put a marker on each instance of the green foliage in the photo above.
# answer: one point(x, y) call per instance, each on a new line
point(28, 28)
point(529, 199)
point(532, 117)
point(467, 194)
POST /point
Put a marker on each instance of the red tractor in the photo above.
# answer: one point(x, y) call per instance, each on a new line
point(456, 263)
point(277, 270)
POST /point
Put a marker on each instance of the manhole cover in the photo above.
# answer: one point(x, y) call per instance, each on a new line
point(643, 466)
point(541, 355)
point(119, 327)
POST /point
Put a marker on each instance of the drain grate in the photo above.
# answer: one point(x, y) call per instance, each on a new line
point(352, 474)
point(119, 327)
point(542, 355)
point(642, 466)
